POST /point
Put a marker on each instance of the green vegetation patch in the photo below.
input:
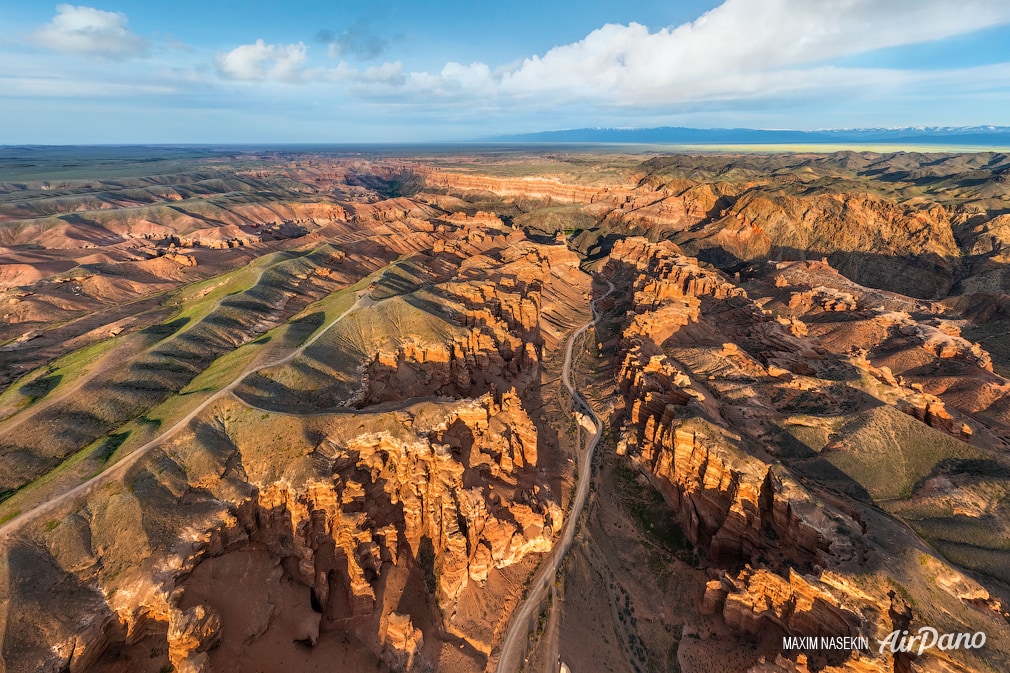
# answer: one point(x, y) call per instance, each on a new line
point(401, 277)
point(110, 445)
point(40, 387)
point(887, 452)
point(814, 434)
point(992, 337)
point(552, 219)
point(654, 517)
point(39, 383)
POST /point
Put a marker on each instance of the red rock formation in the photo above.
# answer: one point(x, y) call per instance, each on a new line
point(930, 410)
point(665, 273)
point(401, 638)
point(425, 478)
point(826, 298)
point(758, 602)
point(733, 504)
point(190, 635)
point(525, 187)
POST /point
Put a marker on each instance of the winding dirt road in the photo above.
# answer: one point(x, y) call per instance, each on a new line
point(90, 486)
point(524, 618)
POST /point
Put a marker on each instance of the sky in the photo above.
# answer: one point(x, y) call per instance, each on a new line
point(300, 71)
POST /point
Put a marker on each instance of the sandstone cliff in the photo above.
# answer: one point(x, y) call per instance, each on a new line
point(704, 371)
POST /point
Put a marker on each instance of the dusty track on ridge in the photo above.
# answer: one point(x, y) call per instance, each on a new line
point(91, 485)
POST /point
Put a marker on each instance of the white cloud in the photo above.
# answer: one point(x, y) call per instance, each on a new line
point(741, 50)
point(747, 51)
point(387, 73)
point(740, 44)
point(341, 73)
point(745, 57)
point(262, 62)
point(91, 32)
point(475, 77)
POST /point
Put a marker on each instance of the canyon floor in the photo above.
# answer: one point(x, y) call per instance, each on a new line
point(270, 410)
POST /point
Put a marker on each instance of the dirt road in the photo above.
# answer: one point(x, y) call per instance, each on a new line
point(83, 490)
point(524, 619)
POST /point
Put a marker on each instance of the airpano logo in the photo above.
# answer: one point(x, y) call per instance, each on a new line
point(928, 638)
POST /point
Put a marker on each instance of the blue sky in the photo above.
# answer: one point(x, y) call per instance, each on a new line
point(391, 71)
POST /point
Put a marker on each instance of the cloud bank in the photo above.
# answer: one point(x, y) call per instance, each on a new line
point(741, 48)
point(745, 60)
point(261, 62)
point(88, 31)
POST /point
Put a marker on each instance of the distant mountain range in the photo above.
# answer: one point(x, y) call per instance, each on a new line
point(933, 135)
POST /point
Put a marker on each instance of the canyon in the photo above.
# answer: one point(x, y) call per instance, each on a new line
point(275, 409)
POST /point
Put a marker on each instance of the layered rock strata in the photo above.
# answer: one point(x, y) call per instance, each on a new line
point(705, 371)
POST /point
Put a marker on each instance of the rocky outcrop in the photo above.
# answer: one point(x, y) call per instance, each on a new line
point(748, 215)
point(181, 260)
point(730, 502)
point(390, 210)
point(417, 491)
point(479, 218)
point(455, 369)
point(401, 638)
point(664, 273)
point(828, 299)
point(757, 602)
point(422, 476)
point(190, 635)
point(529, 187)
point(930, 410)
point(735, 505)
point(802, 664)
point(729, 407)
point(498, 307)
point(940, 337)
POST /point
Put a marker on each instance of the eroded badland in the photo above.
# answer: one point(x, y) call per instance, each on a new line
point(304, 411)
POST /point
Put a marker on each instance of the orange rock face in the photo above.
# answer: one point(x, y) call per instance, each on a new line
point(705, 371)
